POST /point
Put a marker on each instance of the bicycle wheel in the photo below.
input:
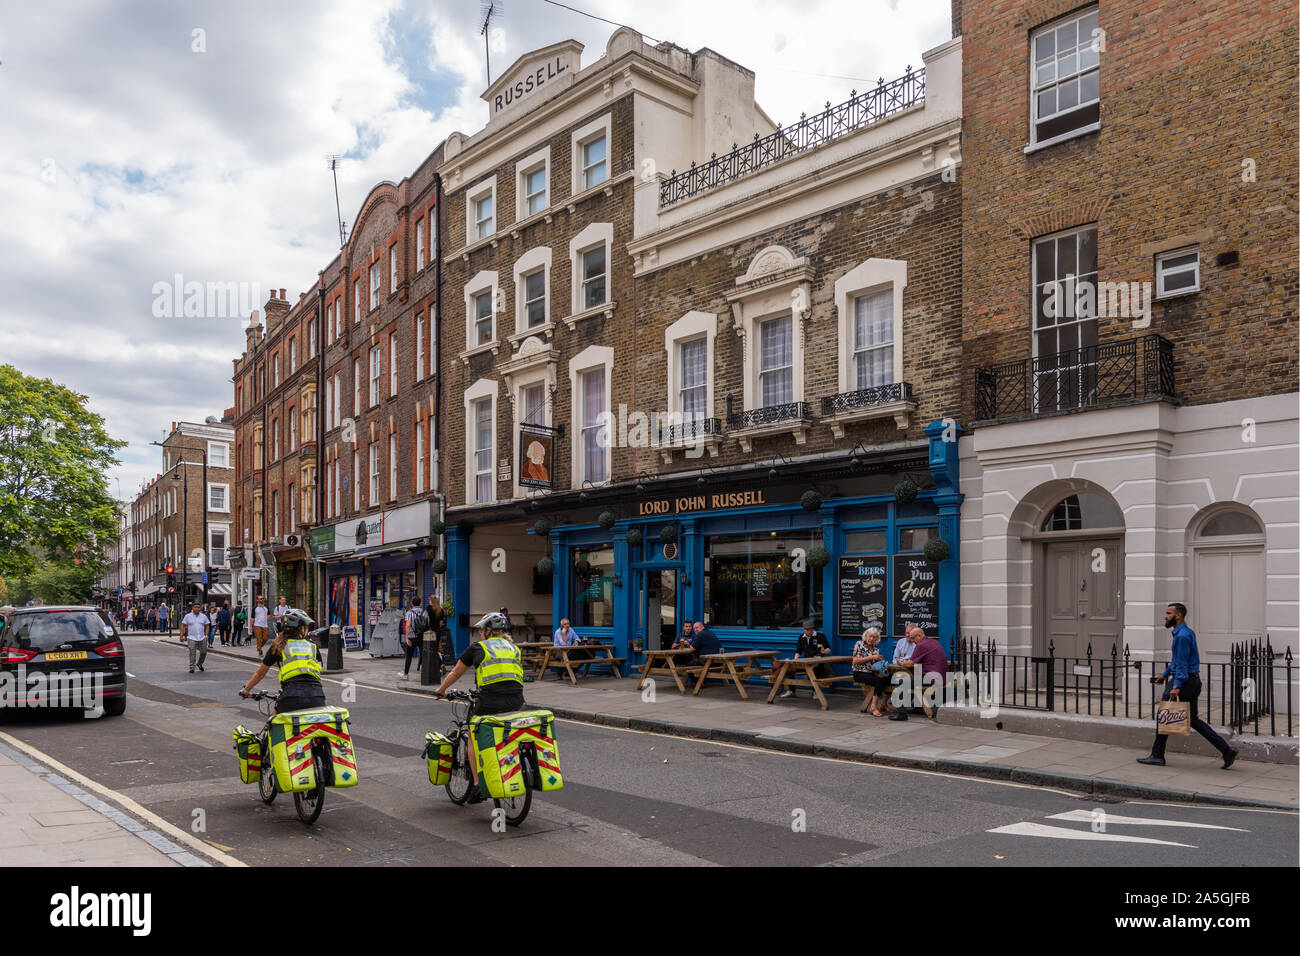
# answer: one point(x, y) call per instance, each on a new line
point(266, 787)
point(309, 803)
point(516, 808)
point(461, 783)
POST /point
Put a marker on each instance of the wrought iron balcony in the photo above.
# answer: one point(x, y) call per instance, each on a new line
point(861, 109)
point(687, 432)
point(768, 415)
point(1088, 377)
point(867, 398)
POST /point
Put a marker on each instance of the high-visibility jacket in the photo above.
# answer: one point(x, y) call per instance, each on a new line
point(500, 663)
point(298, 660)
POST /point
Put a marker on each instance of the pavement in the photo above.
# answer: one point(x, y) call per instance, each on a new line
point(799, 726)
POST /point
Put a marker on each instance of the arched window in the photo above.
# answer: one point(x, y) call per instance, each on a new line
point(1229, 523)
point(1084, 510)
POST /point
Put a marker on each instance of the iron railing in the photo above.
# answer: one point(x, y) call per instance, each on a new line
point(767, 415)
point(861, 109)
point(1241, 693)
point(681, 432)
point(867, 397)
point(1086, 377)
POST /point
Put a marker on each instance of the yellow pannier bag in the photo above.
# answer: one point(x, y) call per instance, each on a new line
point(291, 737)
point(437, 751)
point(497, 739)
point(249, 749)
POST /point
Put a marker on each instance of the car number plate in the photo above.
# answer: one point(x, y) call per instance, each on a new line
point(67, 656)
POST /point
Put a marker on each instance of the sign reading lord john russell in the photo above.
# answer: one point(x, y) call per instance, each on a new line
point(684, 503)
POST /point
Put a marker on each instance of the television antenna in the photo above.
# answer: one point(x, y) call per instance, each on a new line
point(489, 9)
point(333, 162)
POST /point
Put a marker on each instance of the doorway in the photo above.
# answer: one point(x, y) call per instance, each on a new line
point(1083, 596)
point(659, 617)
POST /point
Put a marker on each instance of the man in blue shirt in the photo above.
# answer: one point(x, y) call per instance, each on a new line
point(1184, 677)
point(704, 641)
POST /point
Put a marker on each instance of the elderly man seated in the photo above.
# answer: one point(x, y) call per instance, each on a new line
point(927, 654)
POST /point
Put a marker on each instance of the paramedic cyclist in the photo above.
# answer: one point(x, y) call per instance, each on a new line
point(300, 664)
point(498, 675)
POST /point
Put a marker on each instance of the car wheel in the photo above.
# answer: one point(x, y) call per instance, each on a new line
point(115, 706)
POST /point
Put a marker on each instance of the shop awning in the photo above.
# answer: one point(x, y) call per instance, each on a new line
point(219, 589)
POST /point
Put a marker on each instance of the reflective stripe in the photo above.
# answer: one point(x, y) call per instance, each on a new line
point(500, 663)
point(299, 658)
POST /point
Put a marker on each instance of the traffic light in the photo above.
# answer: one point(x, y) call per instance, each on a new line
point(171, 576)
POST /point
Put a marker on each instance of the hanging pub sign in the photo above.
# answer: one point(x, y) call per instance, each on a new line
point(536, 456)
point(862, 593)
point(916, 594)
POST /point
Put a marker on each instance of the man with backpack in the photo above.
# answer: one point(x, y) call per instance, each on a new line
point(414, 624)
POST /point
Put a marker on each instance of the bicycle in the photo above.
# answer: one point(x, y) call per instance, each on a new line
point(309, 803)
point(461, 784)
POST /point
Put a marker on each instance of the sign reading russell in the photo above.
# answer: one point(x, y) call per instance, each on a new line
point(548, 66)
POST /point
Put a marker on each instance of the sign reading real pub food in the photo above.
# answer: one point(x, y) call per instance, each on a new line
point(863, 588)
point(916, 594)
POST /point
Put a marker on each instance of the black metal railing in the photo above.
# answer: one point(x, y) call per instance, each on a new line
point(682, 432)
point(1241, 692)
point(867, 397)
point(768, 415)
point(861, 109)
point(1086, 377)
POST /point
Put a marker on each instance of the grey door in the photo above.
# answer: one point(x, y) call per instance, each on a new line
point(1083, 599)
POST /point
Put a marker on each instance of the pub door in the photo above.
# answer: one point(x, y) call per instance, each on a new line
point(659, 611)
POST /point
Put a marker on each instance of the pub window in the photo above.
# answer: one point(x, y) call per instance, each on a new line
point(750, 580)
point(914, 539)
point(591, 588)
point(865, 542)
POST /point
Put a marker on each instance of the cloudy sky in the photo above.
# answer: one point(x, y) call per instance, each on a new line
point(145, 139)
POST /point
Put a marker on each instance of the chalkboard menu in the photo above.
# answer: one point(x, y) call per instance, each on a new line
point(916, 594)
point(864, 586)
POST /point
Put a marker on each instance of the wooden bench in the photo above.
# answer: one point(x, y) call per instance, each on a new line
point(664, 661)
point(561, 655)
point(724, 666)
point(801, 672)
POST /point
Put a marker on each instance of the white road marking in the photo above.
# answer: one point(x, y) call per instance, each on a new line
point(1086, 816)
point(1061, 833)
point(129, 674)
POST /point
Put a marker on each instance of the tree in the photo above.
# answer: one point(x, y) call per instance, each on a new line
point(64, 582)
point(54, 500)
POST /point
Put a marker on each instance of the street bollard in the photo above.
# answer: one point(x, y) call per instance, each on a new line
point(334, 658)
point(429, 660)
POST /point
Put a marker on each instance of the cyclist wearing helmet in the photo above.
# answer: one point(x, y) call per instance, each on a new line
point(300, 664)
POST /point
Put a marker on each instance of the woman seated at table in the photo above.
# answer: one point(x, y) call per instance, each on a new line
point(869, 668)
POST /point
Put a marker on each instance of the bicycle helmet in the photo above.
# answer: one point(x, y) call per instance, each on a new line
point(493, 621)
point(296, 618)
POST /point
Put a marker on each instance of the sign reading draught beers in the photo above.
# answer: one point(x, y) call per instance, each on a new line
point(684, 503)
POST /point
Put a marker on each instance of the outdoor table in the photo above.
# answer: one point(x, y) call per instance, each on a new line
point(562, 655)
point(532, 652)
point(664, 661)
point(724, 666)
point(789, 675)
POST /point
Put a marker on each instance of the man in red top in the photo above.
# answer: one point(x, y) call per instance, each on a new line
point(929, 656)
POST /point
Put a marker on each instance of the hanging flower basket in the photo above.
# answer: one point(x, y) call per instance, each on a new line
point(668, 533)
point(936, 550)
point(811, 500)
point(437, 528)
point(818, 557)
point(583, 567)
point(634, 536)
point(905, 491)
point(546, 567)
point(542, 528)
point(606, 520)
point(439, 566)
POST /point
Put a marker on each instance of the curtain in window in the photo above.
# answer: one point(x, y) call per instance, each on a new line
point(483, 451)
point(776, 377)
point(873, 338)
point(593, 408)
point(694, 391)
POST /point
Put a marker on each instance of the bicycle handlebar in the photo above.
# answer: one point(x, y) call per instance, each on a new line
point(260, 695)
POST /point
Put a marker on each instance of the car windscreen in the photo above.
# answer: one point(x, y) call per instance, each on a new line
point(47, 630)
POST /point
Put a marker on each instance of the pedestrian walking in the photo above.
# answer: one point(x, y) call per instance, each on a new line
point(151, 622)
point(259, 623)
point(414, 624)
point(195, 628)
point(1184, 678)
point(281, 609)
point(211, 611)
point(165, 619)
point(239, 618)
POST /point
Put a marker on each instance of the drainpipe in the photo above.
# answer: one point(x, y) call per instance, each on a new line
point(318, 567)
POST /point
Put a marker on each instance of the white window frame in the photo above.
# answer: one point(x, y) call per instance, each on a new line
point(482, 282)
point(543, 375)
point(221, 528)
point(293, 355)
point(528, 263)
point(225, 496)
point(292, 493)
point(293, 431)
point(483, 389)
point(329, 403)
point(1035, 87)
point(376, 281)
point(356, 301)
point(526, 166)
point(873, 275)
point(419, 348)
point(601, 126)
point(392, 363)
point(356, 478)
point(419, 244)
point(392, 269)
point(1161, 273)
point(589, 358)
point(692, 325)
point(478, 191)
point(218, 450)
point(373, 472)
point(392, 466)
point(376, 377)
point(590, 237)
point(312, 337)
point(356, 387)
point(419, 455)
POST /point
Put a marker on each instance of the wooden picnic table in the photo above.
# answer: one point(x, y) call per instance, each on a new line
point(563, 656)
point(664, 661)
point(800, 672)
point(724, 666)
point(532, 652)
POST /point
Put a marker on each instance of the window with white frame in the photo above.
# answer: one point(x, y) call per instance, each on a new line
point(533, 189)
point(693, 379)
point(483, 481)
point(589, 254)
point(293, 355)
point(275, 439)
point(534, 298)
point(593, 277)
point(338, 399)
point(532, 404)
point(594, 165)
point(419, 347)
point(375, 279)
point(293, 508)
point(356, 480)
point(392, 363)
point(595, 465)
point(217, 536)
point(1064, 267)
point(329, 403)
point(275, 514)
point(392, 467)
point(356, 301)
point(873, 339)
point(218, 454)
point(776, 361)
point(480, 205)
point(419, 245)
point(356, 387)
point(1178, 272)
point(311, 338)
point(374, 472)
point(338, 490)
point(591, 153)
point(218, 497)
point(483, 332)
point(1065, 76)
point(275, 369)
point(293, 431)
point(376, 374)
point(392, 269)
point(419, 456)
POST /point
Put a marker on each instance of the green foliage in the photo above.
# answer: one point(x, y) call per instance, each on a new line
point(4, 591)
point(54, 500)
point(936, 550)
point(818, 557)
point(56, 582)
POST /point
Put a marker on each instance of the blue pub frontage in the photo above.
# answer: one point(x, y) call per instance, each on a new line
point(754, 551)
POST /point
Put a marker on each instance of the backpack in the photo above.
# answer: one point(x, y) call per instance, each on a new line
point(419, 623)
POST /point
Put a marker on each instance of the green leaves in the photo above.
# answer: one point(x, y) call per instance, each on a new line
point(54, 500)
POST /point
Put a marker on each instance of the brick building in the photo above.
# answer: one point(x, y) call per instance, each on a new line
point(1129, 323)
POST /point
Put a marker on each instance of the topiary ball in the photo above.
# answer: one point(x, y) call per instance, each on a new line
point(668, 533)
point(542, 528)
point(583, 567)
point(936, 550)
point(438, 528)
point(606, 520)
point(818, 557)
point(546, 567)
point(439, 566)
point(633, 536)
point(905, 491)
point(811, 500)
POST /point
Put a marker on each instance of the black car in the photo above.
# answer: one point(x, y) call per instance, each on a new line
point(61, 655)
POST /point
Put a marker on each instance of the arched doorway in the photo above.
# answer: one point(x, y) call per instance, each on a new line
point(1227, 591)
